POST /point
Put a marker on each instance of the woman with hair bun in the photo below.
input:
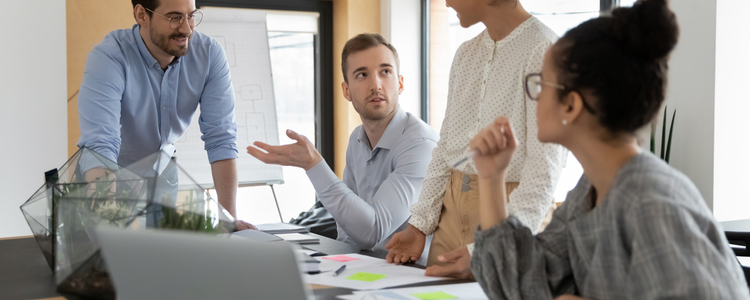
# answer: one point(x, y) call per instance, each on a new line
point(633, 227)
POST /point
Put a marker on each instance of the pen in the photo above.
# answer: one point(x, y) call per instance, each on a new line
point(466, 158)
point(339, 271)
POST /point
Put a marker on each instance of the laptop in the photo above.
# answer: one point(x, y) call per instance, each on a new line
point(179, 265)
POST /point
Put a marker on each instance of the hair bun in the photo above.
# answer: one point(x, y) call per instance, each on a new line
point(648, 29)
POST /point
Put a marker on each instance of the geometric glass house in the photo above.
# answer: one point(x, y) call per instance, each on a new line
point(91, 191)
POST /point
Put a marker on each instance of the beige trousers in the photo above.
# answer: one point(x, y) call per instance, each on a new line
point(459, 217)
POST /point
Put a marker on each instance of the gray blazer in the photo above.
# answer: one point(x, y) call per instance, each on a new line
point(653, 237)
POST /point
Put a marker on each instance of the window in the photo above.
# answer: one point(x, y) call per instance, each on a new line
point(291, 42)
point(446, 35)
point(300, 43)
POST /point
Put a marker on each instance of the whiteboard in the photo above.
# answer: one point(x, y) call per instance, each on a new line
point(243, 35)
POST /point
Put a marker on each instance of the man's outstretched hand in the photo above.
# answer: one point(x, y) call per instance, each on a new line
point(459, 265)
point(405, 246)
point(300, 154)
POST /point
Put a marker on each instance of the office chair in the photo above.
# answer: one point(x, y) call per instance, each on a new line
point(738, 233)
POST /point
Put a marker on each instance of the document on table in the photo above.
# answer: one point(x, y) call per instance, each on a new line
point(435, 292)
point(744, 260)
point(366, 273)
point(276, 228)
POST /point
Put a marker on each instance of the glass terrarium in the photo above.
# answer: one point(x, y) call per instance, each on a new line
point(40, 209)
point(91, 191)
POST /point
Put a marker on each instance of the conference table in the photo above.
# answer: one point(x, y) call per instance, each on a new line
point(24, 273)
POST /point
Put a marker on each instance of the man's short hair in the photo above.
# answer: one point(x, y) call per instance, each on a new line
point(361, 42)
point(150, 4)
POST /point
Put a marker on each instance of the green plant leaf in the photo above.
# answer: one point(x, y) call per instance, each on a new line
point(669, 143)
point(663, 132)
point(653, 138)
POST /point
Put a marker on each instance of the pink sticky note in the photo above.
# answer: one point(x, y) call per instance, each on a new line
point(340, 258)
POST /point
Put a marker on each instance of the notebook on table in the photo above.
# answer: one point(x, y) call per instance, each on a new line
point(299, 238)
point(276, 228)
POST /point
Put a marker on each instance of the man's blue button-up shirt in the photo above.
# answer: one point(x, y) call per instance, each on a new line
point(380, 183)
point(130, 108)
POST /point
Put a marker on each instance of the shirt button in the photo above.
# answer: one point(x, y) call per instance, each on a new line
point(163, 107)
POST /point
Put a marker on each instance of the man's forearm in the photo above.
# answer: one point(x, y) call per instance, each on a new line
point(224, 173)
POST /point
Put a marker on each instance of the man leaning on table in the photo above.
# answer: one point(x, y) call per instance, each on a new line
point(387, 156)
point(142, 86)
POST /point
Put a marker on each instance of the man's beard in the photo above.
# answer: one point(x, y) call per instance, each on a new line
point(162, 42)
point(374, 115)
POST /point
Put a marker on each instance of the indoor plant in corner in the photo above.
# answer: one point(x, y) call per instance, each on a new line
point(665, 149)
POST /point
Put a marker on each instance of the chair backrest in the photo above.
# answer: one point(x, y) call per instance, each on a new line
point(738, 235)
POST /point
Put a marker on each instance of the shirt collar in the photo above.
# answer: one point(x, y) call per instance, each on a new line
point(489, 43)
point(147, 57)
point(392, 132)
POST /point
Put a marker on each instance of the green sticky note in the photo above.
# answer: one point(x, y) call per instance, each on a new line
point(369, 277)
point(434, 296)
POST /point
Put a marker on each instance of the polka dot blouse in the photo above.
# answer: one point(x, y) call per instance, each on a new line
point(486, 81)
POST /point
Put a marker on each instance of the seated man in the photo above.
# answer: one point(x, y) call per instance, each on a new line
point(387, 155)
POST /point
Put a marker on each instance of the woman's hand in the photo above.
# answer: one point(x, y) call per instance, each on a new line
point(494, 147)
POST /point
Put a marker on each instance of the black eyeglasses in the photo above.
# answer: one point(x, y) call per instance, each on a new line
point(193, 19)
point(533, 85)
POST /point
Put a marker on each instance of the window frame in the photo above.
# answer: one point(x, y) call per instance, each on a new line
point(604, 7)
point(324, 130)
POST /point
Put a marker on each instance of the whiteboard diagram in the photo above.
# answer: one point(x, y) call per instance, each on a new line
point(244, 38)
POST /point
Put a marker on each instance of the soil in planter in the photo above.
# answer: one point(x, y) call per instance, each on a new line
point(45, 244)
point(91, 280)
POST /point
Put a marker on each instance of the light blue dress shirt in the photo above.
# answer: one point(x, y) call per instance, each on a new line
point(380, 183)
point(130, 108)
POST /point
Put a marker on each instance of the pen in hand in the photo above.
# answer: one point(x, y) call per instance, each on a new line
point(339, 271)
point(466, 158)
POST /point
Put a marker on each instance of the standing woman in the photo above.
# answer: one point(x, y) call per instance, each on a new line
point(486, 81)
point(633, 227)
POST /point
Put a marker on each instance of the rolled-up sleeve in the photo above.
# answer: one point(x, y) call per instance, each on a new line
point(368, 224)
point(99, 106)
point(426, 212)
point(543, 164)
point(217, 120)
point(509, 262)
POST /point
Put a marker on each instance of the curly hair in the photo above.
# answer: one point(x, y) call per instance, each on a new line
point(622, 61)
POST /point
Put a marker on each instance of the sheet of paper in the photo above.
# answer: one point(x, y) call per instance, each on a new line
point(340, 258)
point(366, 277)
point(309, 252)
point(744, 260)
point(275, 228)
point(434, 296)
point(388, 275)
point(436, 292)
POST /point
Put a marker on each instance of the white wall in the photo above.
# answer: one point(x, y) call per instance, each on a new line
point(400, 23)
point(33, 93)
point(691, 92)
point(731, 128)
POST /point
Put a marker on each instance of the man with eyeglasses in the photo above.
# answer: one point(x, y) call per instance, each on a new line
point(142, 86)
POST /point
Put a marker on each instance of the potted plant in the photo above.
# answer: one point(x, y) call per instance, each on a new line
point(665, 149)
